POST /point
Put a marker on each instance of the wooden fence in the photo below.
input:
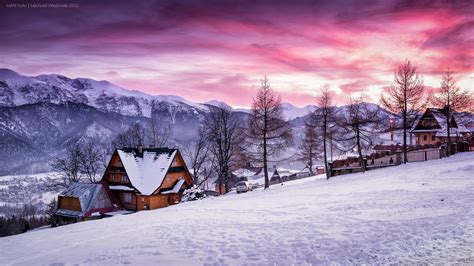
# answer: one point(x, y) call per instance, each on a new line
point(387, 159)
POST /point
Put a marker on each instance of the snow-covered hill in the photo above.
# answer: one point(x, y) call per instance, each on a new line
point(420, 213)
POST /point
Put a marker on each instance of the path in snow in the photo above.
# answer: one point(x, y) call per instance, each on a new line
point(415, 213)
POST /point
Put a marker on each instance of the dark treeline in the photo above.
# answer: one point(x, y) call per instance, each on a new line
point(28, 218)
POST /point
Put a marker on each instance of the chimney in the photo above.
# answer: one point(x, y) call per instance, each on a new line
point(140, 149)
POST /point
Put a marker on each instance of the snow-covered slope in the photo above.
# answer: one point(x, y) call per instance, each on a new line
point(420, 213)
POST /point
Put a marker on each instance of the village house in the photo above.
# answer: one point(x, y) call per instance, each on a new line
point(431, 128)
point(147, 178)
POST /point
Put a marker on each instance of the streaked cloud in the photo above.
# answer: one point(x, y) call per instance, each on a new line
point(205, 50)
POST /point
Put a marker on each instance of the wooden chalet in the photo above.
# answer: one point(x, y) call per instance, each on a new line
point(147, 178)
point(84, 201)
point(275, 175)
point(431, 128)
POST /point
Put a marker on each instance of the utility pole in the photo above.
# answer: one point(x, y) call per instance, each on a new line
point(391, 131)
point(330, 143)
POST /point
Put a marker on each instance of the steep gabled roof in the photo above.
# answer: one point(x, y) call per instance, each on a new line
point(244, 172)
point(146, 170)
point(440, 118)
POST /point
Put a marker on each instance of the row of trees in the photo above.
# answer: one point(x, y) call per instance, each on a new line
point(407, 97)
point(224, 142)
point(355, 128)
point(85, 160)
point(27, 218)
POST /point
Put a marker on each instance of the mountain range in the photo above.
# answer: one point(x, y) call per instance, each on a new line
point(41, 115)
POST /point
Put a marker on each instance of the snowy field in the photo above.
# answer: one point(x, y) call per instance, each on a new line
point(416, 213)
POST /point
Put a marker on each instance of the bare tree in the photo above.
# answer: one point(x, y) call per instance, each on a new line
point(359, 126)
point(452, 98)
point(268, 132)
point(311, 145)
point(325, 116)
point(132, 137)
point(90, 161)
point(200, 157)
point(405, 98)
point(69, 166)
point(223, 134)
point(159, 132)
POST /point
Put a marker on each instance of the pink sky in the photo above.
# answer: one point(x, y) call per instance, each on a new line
point(218, 50)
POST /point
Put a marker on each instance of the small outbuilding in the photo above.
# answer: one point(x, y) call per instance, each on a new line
point(84, 201)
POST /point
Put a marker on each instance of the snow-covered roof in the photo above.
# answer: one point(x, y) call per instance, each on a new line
point(453, 131)
point(284, 171)
point(120, 187)
point(176, 187)
point(440, 118)
point(243, 172)
point(261, 173)
point(146, 172)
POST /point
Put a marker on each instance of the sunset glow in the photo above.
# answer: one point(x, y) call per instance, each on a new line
point(218, 50)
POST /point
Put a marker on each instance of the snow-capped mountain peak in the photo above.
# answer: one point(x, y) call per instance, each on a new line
point(218, 104)
point(12, 78)
point(102, 94)
point(291, 112)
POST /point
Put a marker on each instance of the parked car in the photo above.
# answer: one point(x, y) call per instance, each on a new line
point(244, 186)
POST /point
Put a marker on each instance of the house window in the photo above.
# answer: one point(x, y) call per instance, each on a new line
point(127, 197)
point(143, 199)
point(124, 178)
point(433, 137)
point(168, 178)
point(113, 177)
point(425, 138)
